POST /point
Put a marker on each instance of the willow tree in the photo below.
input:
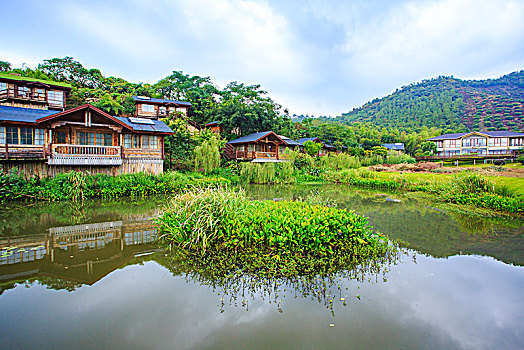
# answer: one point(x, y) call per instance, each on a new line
point(207, 155)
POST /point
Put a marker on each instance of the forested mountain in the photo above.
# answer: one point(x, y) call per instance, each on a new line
point(450, 104)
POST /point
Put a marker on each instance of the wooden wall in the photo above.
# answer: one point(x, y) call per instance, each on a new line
point(40, 168)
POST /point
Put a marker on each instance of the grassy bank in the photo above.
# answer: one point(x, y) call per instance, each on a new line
point(466, 188)
point(78, 186)
point(275, 238)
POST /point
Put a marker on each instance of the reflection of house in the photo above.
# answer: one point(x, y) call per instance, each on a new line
point(83, 253)
point(483, 143)
point(46, 142)
point(326, 148)
point(396, 147)
point(261, 146)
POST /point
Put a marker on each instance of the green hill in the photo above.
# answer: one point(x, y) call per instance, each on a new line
point(449, 103)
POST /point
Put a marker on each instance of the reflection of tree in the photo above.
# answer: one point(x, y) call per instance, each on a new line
point(58, 283)
point(241, 280)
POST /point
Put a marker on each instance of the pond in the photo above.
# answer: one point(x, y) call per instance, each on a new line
point(91, 276)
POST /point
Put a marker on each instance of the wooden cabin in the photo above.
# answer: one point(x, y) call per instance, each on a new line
point(45, 142)
point(258, 147)
point(289, 145)
point(156, 108)
point(18, 91)
point(215, 127)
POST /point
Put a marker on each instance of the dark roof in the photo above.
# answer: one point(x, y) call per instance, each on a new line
point(328, 146)
point(488, 133)
point(289, 141)
point(26, 115)
point(302, 140)
point(161, 101)
point(252, 138)
point(157, 126)
point(394, 146)
point(212, 123)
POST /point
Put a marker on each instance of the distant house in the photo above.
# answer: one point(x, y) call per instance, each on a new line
point(17, 91)
point(326, 148)
point(215, 127)
point(156, 108)
point(397, 147)
point(483, 143)
point(261, 147)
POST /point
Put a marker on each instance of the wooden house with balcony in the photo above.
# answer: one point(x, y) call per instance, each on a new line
point(18, 91)
point(261, 147)
point(43, 141)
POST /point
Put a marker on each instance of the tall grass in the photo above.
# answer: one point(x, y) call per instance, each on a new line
point(267, 173)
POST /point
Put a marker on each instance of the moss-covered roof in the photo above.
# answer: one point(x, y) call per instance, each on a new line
point(48, 82)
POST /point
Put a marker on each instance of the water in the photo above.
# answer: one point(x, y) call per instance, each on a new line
point(92, 277)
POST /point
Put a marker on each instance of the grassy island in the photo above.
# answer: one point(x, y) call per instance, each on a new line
point(266, 237)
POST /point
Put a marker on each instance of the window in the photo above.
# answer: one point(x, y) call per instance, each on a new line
point(39, 137)
point(149, 142)
point(131, 141)
point(162, 110)
point(108, 140)
point(55, 97)
point(12, 136)
point(39, 94)
point(22, 91)
point(3, 86)
point(2, 135)
point(148, 108)
point(61, 137)
point(182, 110)
point(99, 139)
point(81, 138)
point(91, 138)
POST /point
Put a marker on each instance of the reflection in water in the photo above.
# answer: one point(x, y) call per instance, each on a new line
point(81, 254)
point(157, 302)
point(426, 228)
point(238, 288)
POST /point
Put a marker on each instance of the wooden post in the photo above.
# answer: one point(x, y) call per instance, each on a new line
point(6, 151)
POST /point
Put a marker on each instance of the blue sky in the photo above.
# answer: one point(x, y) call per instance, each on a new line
point(313, 57)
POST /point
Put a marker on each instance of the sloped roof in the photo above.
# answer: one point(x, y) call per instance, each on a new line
point(487, 133)
point(313, 139)
point(253, 137)
point(394, 146)
point(34, 80)
point(160, 101)
point(157, 126)
point(23, 115)
point(289, 141)
point(212, 123)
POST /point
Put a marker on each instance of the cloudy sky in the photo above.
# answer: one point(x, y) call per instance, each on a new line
point(313, 57)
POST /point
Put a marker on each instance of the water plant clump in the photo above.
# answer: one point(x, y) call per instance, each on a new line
point(270, 238)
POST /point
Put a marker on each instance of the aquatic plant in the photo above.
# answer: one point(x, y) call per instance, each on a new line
point(223, 219)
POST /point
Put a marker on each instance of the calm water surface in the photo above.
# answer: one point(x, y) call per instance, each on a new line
point(91, 276)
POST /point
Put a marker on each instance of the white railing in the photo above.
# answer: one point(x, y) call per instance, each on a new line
point(85, 150)
point(66, 154)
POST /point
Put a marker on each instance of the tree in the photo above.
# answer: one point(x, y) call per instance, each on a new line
point(312, 148)
point(5, 66)
point(207, 155)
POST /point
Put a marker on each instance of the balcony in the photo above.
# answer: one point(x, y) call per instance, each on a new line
point(66, 154)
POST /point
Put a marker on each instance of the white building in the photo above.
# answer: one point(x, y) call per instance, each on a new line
point(483, 143)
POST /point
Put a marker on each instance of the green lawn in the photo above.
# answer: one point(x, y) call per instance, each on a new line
point(515, 184)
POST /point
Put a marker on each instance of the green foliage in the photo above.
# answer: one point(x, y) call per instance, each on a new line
point(77, 186)
point(207, 155)
point(395, 158)
point(339, 161)
point(312, 148)
point(267, 173)
point(227, 220)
